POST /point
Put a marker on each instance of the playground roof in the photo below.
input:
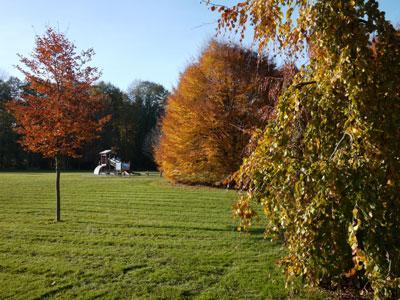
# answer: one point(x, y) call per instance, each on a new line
point(105, 152)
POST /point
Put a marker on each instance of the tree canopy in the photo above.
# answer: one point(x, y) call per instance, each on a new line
point(212, 113)
point(11, 152)
point(59, 115)
point(131, 131)
point(326, 170)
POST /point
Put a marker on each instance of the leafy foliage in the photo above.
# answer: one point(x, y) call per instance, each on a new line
point(212, 114)
point(59, 113)
point(132, 130)
point(59, 116)
point(148, 101)
point(326, 170)
point(11, 152)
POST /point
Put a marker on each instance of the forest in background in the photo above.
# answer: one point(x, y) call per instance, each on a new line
point(322, 168)
point(131, 131)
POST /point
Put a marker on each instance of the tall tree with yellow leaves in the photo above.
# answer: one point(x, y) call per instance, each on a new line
point(212, 113)
point(326, 170)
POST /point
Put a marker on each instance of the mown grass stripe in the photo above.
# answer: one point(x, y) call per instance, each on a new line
point(136, 237)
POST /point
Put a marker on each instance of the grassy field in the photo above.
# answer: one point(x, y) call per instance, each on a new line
point(136, 237)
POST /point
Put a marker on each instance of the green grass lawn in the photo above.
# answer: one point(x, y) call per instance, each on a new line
point(136, 237)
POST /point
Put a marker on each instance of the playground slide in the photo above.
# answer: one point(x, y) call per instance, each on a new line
point(98, 169)
point(114, 161)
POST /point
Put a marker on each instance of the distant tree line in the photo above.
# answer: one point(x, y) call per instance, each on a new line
point(130, 132)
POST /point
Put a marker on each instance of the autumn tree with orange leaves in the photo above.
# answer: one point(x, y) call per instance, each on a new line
point(211, 115)
point(326, 171)
point(61, 110)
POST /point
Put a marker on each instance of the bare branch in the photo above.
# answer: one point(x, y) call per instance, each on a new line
point(338, 144)
point(301, 84)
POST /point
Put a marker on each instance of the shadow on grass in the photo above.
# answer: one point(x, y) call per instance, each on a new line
point(256, 232)
point(55, 291)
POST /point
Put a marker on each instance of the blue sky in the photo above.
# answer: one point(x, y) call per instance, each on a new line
point(133, 39)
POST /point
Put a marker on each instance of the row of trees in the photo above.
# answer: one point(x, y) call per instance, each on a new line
point(131, 130)
point(11, 153)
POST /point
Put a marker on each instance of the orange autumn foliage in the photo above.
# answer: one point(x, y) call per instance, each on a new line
point(210, 117)
point(59, 113)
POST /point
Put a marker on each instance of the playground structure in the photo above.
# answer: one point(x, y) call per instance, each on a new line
point(110, 164)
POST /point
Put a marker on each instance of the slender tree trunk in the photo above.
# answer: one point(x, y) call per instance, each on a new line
point(58, 207)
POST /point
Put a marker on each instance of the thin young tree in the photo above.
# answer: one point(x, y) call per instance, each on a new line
point(61, 110)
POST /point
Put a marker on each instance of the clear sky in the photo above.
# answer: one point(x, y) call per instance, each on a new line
point(133, 39)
